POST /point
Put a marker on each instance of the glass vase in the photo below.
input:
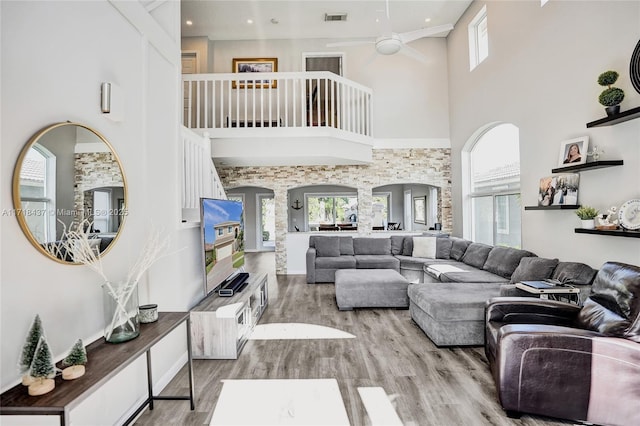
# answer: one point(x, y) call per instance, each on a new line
point(121, 322)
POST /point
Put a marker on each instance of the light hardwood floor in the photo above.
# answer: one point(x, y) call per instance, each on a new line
point(430, 385)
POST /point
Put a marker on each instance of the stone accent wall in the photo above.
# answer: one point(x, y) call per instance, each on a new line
point(93, 170)
point(390, 166)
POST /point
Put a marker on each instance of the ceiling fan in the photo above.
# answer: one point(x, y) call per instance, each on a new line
point(390, 43)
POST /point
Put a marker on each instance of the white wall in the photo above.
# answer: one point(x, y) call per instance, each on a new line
point(541, 76)
point(400, 117)
point(54, 57)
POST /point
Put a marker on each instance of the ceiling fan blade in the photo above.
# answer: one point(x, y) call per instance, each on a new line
point(413, 53)
point(350, 43)
point(409, 36)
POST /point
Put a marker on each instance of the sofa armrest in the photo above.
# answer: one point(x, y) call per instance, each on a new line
point(527, 310)
point(311, 265)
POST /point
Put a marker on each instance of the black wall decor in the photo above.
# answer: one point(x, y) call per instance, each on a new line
point(634, 68)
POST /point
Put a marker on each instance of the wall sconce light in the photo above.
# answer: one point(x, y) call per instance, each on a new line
point(296, 205)
point(111, 101)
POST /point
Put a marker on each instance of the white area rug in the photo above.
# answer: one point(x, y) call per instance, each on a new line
point(280, 402)
point(379, 407)
point(281, 331)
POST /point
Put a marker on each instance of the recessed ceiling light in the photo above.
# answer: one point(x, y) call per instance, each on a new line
point(377, 19)
point(189, 22)
point(427, 19)
point(249, 21)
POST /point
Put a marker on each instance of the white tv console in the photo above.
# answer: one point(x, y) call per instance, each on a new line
point(220, 326)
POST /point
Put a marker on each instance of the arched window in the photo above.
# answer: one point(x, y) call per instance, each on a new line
point(492, 194)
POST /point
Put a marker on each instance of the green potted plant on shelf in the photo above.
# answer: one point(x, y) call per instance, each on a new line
point(587, 215)
point(611, 97)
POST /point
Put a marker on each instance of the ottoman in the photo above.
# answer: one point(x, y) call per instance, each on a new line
point(370, 288)
point(451, 314)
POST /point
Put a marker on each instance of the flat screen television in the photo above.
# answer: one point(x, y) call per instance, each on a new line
point(222, 230)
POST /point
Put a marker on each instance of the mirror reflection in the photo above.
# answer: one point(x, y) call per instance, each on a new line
point(68, 175)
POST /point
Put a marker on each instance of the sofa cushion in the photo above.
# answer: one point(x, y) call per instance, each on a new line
point(346, 246)
point(504, 260)
point(458, 247)
point(327, 247)
point(472, 276)
point(397, 244)
point(407, 246)
point(443, 245)
point(534, 269)
point(339, 262)
point(377, 261)
point(476, 254)
point(574, 273)
point(417, 263)
point(365, 245)
point(613, 306)
point(424, 247)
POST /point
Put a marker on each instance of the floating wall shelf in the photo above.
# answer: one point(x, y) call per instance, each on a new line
point(589, 166)
point(612, 232)
point(621, 117)
point(557, 207)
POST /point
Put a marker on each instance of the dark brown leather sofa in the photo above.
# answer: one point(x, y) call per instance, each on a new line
point(557, 359)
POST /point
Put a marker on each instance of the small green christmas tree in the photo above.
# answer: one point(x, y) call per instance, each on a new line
point(42, 366)
point(30, 345)
point(77, 355)
point(75, 362)
point(42, 370)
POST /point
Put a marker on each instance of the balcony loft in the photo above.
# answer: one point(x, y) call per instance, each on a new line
point(285, 118)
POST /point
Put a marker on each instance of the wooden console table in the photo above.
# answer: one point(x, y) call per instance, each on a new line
point(105, 360)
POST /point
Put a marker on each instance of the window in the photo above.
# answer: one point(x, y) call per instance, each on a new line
point(38, 191)
point(478, 39)
point(493, 194)
point(330, 209)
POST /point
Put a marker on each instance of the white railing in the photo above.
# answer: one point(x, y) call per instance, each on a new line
point(281, 100)
point(199, 175)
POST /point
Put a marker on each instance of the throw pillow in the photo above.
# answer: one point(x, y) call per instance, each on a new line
point(533, 269)
point(328, 247)
point(424, 247)
point(476, 254)
point(574, 273)
point(346, 246)
point(397, 243)
point(407, 246)
point(443, 248)
point(503, 261)
point(458, 247)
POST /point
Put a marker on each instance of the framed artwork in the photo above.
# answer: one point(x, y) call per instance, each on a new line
point(255, 65)
point(420, 209)
point(573, 151)
point(561, 189)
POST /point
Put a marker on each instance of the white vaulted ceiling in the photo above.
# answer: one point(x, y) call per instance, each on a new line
point(227, 20)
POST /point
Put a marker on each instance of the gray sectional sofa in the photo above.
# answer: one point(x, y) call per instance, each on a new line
point(328, 254)
point(448, 283)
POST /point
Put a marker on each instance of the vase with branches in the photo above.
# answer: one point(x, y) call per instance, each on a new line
point(120, 297)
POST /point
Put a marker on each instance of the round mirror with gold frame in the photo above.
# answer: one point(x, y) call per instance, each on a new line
point(68, 176)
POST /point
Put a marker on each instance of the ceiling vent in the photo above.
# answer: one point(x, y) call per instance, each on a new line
point(332, 17)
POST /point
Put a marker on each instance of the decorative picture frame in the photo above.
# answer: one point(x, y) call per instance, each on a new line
point(573, 151)
point(558, 190)
point(420, 210)
point(255, 65)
